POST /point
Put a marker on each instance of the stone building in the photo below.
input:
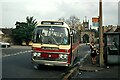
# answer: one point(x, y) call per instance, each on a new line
point(1, 35)
point(6, 35)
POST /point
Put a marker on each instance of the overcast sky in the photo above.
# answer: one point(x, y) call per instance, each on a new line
point(17, 10)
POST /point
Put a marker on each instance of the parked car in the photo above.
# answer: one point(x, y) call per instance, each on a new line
point(4, 45)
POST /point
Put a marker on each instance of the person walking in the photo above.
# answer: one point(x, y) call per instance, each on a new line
point(93, 52)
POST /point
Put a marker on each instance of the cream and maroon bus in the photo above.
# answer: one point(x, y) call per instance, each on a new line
point(55, 44)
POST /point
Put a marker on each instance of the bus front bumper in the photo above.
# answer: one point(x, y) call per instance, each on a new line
point(50, 63)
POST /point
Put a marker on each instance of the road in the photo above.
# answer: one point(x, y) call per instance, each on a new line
point(20, 66)
point(15, 50)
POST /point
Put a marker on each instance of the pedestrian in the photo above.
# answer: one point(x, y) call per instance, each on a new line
point(93, 52)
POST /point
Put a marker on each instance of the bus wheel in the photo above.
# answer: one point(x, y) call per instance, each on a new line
point(36, 67)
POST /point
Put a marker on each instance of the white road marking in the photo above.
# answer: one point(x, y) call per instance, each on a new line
point(21, 52)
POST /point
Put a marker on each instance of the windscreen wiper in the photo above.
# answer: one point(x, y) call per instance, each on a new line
point(54, 40)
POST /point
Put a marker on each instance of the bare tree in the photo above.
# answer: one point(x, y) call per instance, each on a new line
point(61, 19)
point(72, 21)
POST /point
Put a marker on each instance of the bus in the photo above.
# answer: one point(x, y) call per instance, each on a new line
point(54, 44)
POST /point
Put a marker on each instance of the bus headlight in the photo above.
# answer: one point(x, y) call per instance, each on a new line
point(63, 56)
point(36, 54)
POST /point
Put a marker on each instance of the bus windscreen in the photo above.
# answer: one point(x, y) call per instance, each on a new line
point(51, 35)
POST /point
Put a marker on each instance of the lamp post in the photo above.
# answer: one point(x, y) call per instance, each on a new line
point(101, 34)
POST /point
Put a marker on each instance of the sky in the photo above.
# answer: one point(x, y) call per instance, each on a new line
point(17, 10)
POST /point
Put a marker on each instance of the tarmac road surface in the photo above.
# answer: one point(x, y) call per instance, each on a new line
point(20, 66)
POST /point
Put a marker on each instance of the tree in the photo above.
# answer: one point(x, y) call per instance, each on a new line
point(72, 21)
point(23, 30)
point(30, 21)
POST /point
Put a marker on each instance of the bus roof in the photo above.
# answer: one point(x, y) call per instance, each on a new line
point(53, 23)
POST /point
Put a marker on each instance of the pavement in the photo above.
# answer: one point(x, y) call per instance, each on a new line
point(88, 66)
point(88, 71)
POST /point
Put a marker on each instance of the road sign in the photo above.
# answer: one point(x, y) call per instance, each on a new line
point(95, 22)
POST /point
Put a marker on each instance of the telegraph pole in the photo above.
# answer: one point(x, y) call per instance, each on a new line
point(101, 34)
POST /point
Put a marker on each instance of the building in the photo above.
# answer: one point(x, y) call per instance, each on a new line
point(86, 24)
point(118, 29)
point(111, 28)
point(86, 35)
point(1, 35)
point(6, 35)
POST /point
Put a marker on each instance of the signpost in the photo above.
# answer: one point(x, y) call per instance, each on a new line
point(101, 35)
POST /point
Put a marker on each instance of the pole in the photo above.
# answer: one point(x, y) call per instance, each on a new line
point(101, 35)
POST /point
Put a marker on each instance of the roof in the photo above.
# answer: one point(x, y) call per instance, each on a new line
point(114, 29)
point(7, 31)
point(1, 32)
point(118, 29)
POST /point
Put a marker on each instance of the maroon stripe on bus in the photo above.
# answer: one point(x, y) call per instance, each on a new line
point(45, 50)
point(47, 55)
point(44, 55)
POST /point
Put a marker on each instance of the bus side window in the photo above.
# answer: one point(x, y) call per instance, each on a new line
point(73, 37)
point(37, 38)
